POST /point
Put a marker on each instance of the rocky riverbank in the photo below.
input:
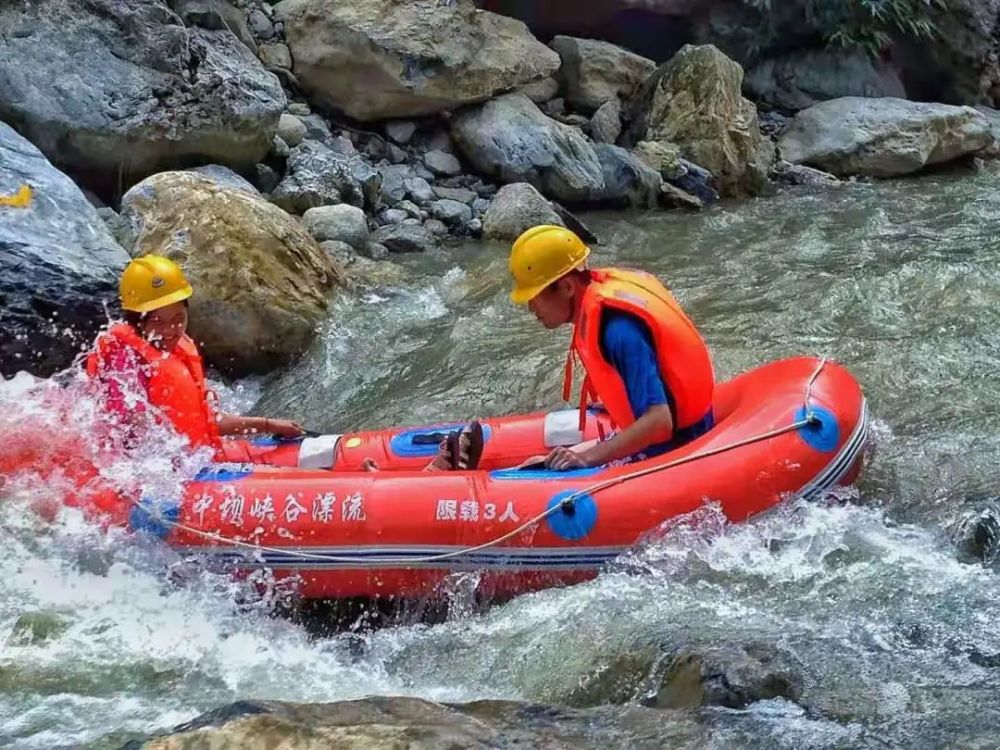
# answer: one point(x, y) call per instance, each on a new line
point(280, 151)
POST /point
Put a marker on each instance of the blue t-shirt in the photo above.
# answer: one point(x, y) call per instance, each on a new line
point(628, 345)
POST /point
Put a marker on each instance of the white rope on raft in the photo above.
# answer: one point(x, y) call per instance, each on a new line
point(566, 505)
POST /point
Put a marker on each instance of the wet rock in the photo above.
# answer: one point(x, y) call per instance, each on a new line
point(593, 72)
point(606, 124)
point(340, 252)
point(798, 80)
point(405, 238)
point(515, 209)
point(773, 124)
point(225, 177)
point(275, 56)
point(59, 264)
point(510, 139)
point(419, 190)
point(291, 130)
point(574, 120)
point(480, 206)
point(119, 87)
point(695, 102)
point(475, 227)
point(394, 182)
point(300, 109)
point(797, 174)
point(977, 537)
point(344, 223)
point(216, 15)
point(673, 197)
point(265, 312)
point(882, 137)
point(414, 723)
point(375, 251)
point(485, 190)
point(541, 91)
point(462, 195)
point(436, 227)
point(993, 118)
point(628, 180)
point(265, 178)
point(423, 172)
point(410, 58)
point(451, 212)
point(318, 176)
point(697, 181)
point(554, 107)
point(442, 163)
point(393, 216)
point(341, 144)
point(664, 158)
point(401, 131)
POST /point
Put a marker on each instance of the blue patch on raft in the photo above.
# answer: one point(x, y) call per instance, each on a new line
point(402, 443)
point(575, 522)
point(543, 474)
point(823, 433)
point(224, 473)
point(154, 516)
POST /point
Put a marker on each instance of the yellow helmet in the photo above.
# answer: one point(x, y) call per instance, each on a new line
point(541, 255)
point(151, 282)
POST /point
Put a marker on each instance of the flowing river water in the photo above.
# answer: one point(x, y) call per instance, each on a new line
point(867, 603)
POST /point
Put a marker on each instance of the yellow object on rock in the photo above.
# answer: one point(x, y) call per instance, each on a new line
point(20, 199)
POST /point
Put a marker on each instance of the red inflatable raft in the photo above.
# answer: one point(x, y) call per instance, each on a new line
point(795, 428)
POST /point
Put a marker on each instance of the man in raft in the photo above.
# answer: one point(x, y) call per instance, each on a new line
point(645, 361)
point(150, 353)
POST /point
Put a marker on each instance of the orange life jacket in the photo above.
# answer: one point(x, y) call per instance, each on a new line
point(176, 386)
point(685, 364)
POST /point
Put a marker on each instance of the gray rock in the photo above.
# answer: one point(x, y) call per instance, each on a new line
point(412, 209)
point(260, 24)
point(606, 124)
point(400, 131)
point(593, 72)
point(480, 206)
point(405, 238)
point(475, 227)
point(515, 209)
point(420, 190)
point(291, 130)
point(436, 227)
point(697, 181)
point(342, 145)
point(486, 190)
point(119, 87)
point(411, 221)
point(216, 15)
point(451, 212)
point(462, 195)
point(275, 56)
point(442, 163)
point(993, 118)
point(628, 180)
point(541, 91)
point(393, 216)
point(279, 149)
point(440, 140)
point(317, 177)
point(423, 172)
point(801, 79)
point(673, 197)
point(394, 182)
point(59, 264)
point(341, 253)
point(510, 139)
point(225, 176)
point(385, 59)
point(574, 120)
point(119, 226)
point(554, 107)
point(300, 109)
point(375, 251)
point(317, 128)
point(797, 174)
point(395, 153)
point(342, 222)
point(266, 178)
point(882, 137)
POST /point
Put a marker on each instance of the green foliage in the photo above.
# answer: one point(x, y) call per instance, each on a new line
point(868, 25)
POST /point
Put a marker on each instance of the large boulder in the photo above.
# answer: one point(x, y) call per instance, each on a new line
point(59, 265)
point(882, 137)
point(342, 223)
point(319, 176)
point(799, 80)
point(695, 102)
point(261, 281)
point(594, 72)
point(380, 59)
point(511, 140)
point(628, 180)
point(121, 86)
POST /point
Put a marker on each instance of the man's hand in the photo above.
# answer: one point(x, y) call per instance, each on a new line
point(562, 459)
point(285, 428)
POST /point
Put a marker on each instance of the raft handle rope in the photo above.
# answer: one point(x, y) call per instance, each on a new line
point(567, 505)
